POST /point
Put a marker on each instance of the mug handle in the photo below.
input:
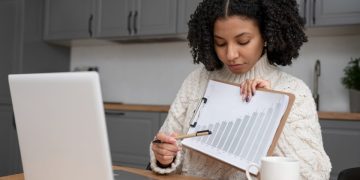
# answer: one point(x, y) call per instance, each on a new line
point(248, 176)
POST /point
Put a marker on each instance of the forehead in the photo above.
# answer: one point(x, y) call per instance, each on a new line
point(235, 23)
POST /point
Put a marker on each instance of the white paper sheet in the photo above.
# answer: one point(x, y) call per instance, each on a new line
point(242, 132)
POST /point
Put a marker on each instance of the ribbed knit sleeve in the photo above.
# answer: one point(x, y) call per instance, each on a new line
point(177, 117)
point(301, 137)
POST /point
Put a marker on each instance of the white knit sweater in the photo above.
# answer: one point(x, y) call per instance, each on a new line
point(300, 139)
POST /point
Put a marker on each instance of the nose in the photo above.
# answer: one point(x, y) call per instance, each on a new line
point(232, 52)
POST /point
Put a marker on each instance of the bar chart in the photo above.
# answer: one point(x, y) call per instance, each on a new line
point(250, 131)
point(242, 132)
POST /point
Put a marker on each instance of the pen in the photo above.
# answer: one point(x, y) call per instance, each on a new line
point(198, 133)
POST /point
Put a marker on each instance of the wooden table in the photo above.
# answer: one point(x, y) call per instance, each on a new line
point(132, 170)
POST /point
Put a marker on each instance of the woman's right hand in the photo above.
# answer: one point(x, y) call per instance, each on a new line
point(165, 151)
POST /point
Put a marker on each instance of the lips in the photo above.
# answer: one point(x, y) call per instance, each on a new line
point(236, 66)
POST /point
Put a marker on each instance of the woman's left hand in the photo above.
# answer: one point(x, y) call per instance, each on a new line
point(249, 86)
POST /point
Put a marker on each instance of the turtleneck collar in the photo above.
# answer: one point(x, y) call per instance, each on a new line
point(262, 69)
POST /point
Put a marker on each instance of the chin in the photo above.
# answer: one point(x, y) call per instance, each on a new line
point(238, 71)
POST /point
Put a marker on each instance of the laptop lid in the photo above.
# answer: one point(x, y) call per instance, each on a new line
point(61, 126)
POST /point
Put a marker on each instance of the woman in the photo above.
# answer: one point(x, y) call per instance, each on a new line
point(242, 41)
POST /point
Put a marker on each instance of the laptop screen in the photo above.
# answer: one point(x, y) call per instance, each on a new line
point(61, 126)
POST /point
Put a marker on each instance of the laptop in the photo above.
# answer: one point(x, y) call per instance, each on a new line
point(61, 127)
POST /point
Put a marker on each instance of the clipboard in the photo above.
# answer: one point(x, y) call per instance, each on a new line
point(242, 132)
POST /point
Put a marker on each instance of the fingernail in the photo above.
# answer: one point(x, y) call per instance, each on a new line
point(247, 99)
point(253, 93)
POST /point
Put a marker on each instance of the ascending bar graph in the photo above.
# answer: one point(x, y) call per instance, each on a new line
point(242, 132)
point(251, 131)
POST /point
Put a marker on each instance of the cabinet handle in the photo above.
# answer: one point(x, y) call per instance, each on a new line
point(135, 19)
point(90, 24)
point(305, 4)
point(128, 22)
point(115, 113)
point(314, 7)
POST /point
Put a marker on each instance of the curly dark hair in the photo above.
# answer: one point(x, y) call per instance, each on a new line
point(279, 21)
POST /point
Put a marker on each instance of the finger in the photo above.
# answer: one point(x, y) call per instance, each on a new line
point(159, 147)
point(264, 84)
point(244, 90)
point(163, 152)
point(241, 88)
point(171, 148)
point(165, 138)
point(159, 151)
point(253, 86)
point(248, 90)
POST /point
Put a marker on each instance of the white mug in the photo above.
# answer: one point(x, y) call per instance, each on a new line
point(275, 167)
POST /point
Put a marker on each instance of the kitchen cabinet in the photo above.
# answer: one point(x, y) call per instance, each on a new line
point(303, 6)
point(116, 19)
point(130, 134)
point(22, 50)
point(341, 142)
point(185, 8)
point(5, 134)
point(135, 18)
point(329, 12)
point(162, 118)
point(334, 12)
point(9, 20)
point(9, 53)
point(68, 19)
point(156, 17)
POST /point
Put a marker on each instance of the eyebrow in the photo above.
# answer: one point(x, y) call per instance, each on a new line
point(241, 34)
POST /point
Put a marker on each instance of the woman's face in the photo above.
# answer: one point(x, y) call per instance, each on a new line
point(238, 43)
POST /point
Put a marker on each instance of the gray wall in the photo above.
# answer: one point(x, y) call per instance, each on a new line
point(151, 73)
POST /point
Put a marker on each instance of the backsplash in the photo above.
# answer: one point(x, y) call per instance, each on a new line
point(151, 73)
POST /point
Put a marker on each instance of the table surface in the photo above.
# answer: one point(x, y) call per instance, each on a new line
point(132, 170)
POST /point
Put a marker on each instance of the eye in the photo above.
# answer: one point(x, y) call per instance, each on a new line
point(243, 42)
point(220, 44)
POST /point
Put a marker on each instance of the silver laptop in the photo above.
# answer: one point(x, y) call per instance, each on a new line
point(61, 127)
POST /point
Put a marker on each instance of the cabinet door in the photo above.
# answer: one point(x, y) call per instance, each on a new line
point(335, 12)
point(114, 18)
point(341, 142)
point(5, 135)
point(304, 10)
point(162, 118)
point(68, 19)
point(9, 45)
point(155, 17)
point(130, 134)
point(185, 9)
